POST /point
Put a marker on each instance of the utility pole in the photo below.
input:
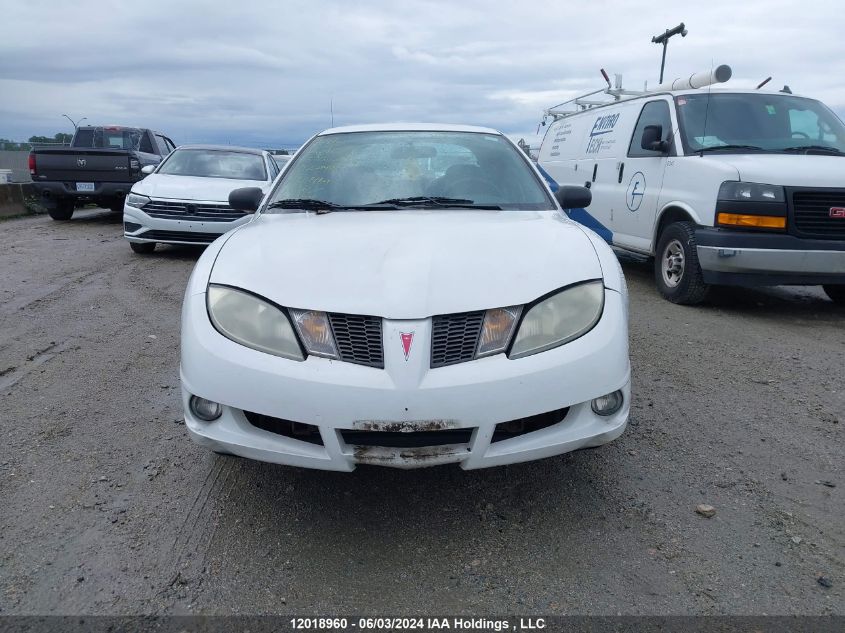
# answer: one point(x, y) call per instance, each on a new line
point(664, 39)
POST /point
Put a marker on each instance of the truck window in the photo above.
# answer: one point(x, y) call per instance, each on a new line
point(653, 113)
point(164, 150)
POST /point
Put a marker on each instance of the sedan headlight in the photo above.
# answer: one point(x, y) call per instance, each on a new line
point(559, 319)
point(253, 322)
point(136, 200)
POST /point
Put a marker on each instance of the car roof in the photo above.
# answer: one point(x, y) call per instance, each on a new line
point(226, 148)
point(409, 127)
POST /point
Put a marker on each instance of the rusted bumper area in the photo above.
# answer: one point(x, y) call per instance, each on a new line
point(412, 444)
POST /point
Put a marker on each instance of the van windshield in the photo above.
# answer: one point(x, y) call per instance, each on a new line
point(770, 123)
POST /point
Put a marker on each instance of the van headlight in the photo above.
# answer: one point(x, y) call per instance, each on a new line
point(561, 318)
point(136, 200)
point(253, 322)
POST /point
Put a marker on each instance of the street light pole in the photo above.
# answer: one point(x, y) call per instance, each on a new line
point(73, 123)
point(664, 39)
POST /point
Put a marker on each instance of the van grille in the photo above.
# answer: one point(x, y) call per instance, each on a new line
point(812, 213)
point(198, 211)
point(358, 339)
point(454, 337)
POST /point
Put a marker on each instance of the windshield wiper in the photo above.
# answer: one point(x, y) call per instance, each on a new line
point(437, 201)
point(306, 204)
point(812, 148)
point(713, 148)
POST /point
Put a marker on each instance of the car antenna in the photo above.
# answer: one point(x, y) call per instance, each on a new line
point(763, 83)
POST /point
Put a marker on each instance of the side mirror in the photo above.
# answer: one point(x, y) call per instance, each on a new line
point(246, 199)
point(148, 169)
point(652, 139)
point(570, 197)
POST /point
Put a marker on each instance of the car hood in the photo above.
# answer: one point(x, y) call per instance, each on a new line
point(406, 264)
point(192, 187)
point(789, 170)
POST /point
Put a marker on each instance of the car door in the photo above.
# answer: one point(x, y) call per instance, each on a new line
point(642, 178)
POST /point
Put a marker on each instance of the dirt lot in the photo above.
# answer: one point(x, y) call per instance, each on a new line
point(107, 507)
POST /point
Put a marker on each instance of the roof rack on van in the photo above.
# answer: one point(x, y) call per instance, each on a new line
point(719, 74)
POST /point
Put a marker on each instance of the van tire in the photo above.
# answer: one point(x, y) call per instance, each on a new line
point(62, 210)
point(836, 293)
point(676, 268)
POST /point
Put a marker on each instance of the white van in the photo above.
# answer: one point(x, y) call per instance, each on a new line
point(739, 187)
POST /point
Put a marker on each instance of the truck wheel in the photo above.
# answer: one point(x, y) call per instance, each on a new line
point(676, 268)
point(143, 248)
point(62, 210)
point(836, 293)
point(116, 205)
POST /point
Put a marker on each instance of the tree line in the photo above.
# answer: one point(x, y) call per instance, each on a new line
point(58, 138)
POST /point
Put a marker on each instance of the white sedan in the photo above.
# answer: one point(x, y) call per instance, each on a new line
point(406, 295)
point(185, 200)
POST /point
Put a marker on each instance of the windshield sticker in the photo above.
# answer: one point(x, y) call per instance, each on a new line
point(770, 109)
point(682, 101)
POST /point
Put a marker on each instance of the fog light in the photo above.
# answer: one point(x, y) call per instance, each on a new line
point(609, 404)
point(205, 409)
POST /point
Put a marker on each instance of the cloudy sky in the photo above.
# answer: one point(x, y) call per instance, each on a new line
point(266, 72)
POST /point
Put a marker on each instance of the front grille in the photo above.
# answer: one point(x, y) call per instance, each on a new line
point(288, 428)
point(812, 213)
point(454, 337)
point(515, 428)
point(200, 211)
point(180, 236)
point(358, 339)
point(401, 439)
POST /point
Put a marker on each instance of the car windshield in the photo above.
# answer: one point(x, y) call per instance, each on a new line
point(770, 123)
point(411, 169)
point(214, 164)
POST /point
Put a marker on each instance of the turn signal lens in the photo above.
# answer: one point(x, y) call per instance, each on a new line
point(756, 221)
point(497, 330)
point(315, 332)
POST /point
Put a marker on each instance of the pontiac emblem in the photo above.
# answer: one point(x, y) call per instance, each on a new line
point(81, 162)
point(837, 212)
point(407, 339)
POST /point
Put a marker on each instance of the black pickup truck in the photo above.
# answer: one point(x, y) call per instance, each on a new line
point(100, 166)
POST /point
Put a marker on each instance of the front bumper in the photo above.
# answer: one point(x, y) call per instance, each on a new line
point(405, 395)
point(173, 231)
point(745, 258)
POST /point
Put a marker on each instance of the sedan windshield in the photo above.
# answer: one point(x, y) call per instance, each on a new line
point(753, 123)
point(214, 164)
point(400, 170)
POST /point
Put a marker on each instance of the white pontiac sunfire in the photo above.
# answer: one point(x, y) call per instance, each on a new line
point(406, 295)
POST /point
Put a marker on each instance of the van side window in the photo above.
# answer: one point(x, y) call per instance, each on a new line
point(653, 113)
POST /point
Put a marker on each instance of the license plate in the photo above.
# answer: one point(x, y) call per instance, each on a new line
point(85, 186)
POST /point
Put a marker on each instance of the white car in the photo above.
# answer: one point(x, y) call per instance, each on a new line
point(185, 199)
point(407, 295)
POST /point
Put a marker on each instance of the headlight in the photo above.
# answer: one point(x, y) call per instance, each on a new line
point(137, 201)
point(316, 332)
point(250, 321)
point(751, 192)
point(559, 319)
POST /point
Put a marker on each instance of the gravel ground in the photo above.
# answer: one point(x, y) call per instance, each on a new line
point(106, 507)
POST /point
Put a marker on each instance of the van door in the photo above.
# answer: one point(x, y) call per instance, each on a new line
point(641, 179)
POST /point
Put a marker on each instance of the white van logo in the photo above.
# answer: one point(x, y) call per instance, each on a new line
point(636, 190)
point(602, 126)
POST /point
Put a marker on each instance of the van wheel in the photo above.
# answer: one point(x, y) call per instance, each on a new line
point(676, 268)
point(836, 293)
point(143, 248)
point(61, 210)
